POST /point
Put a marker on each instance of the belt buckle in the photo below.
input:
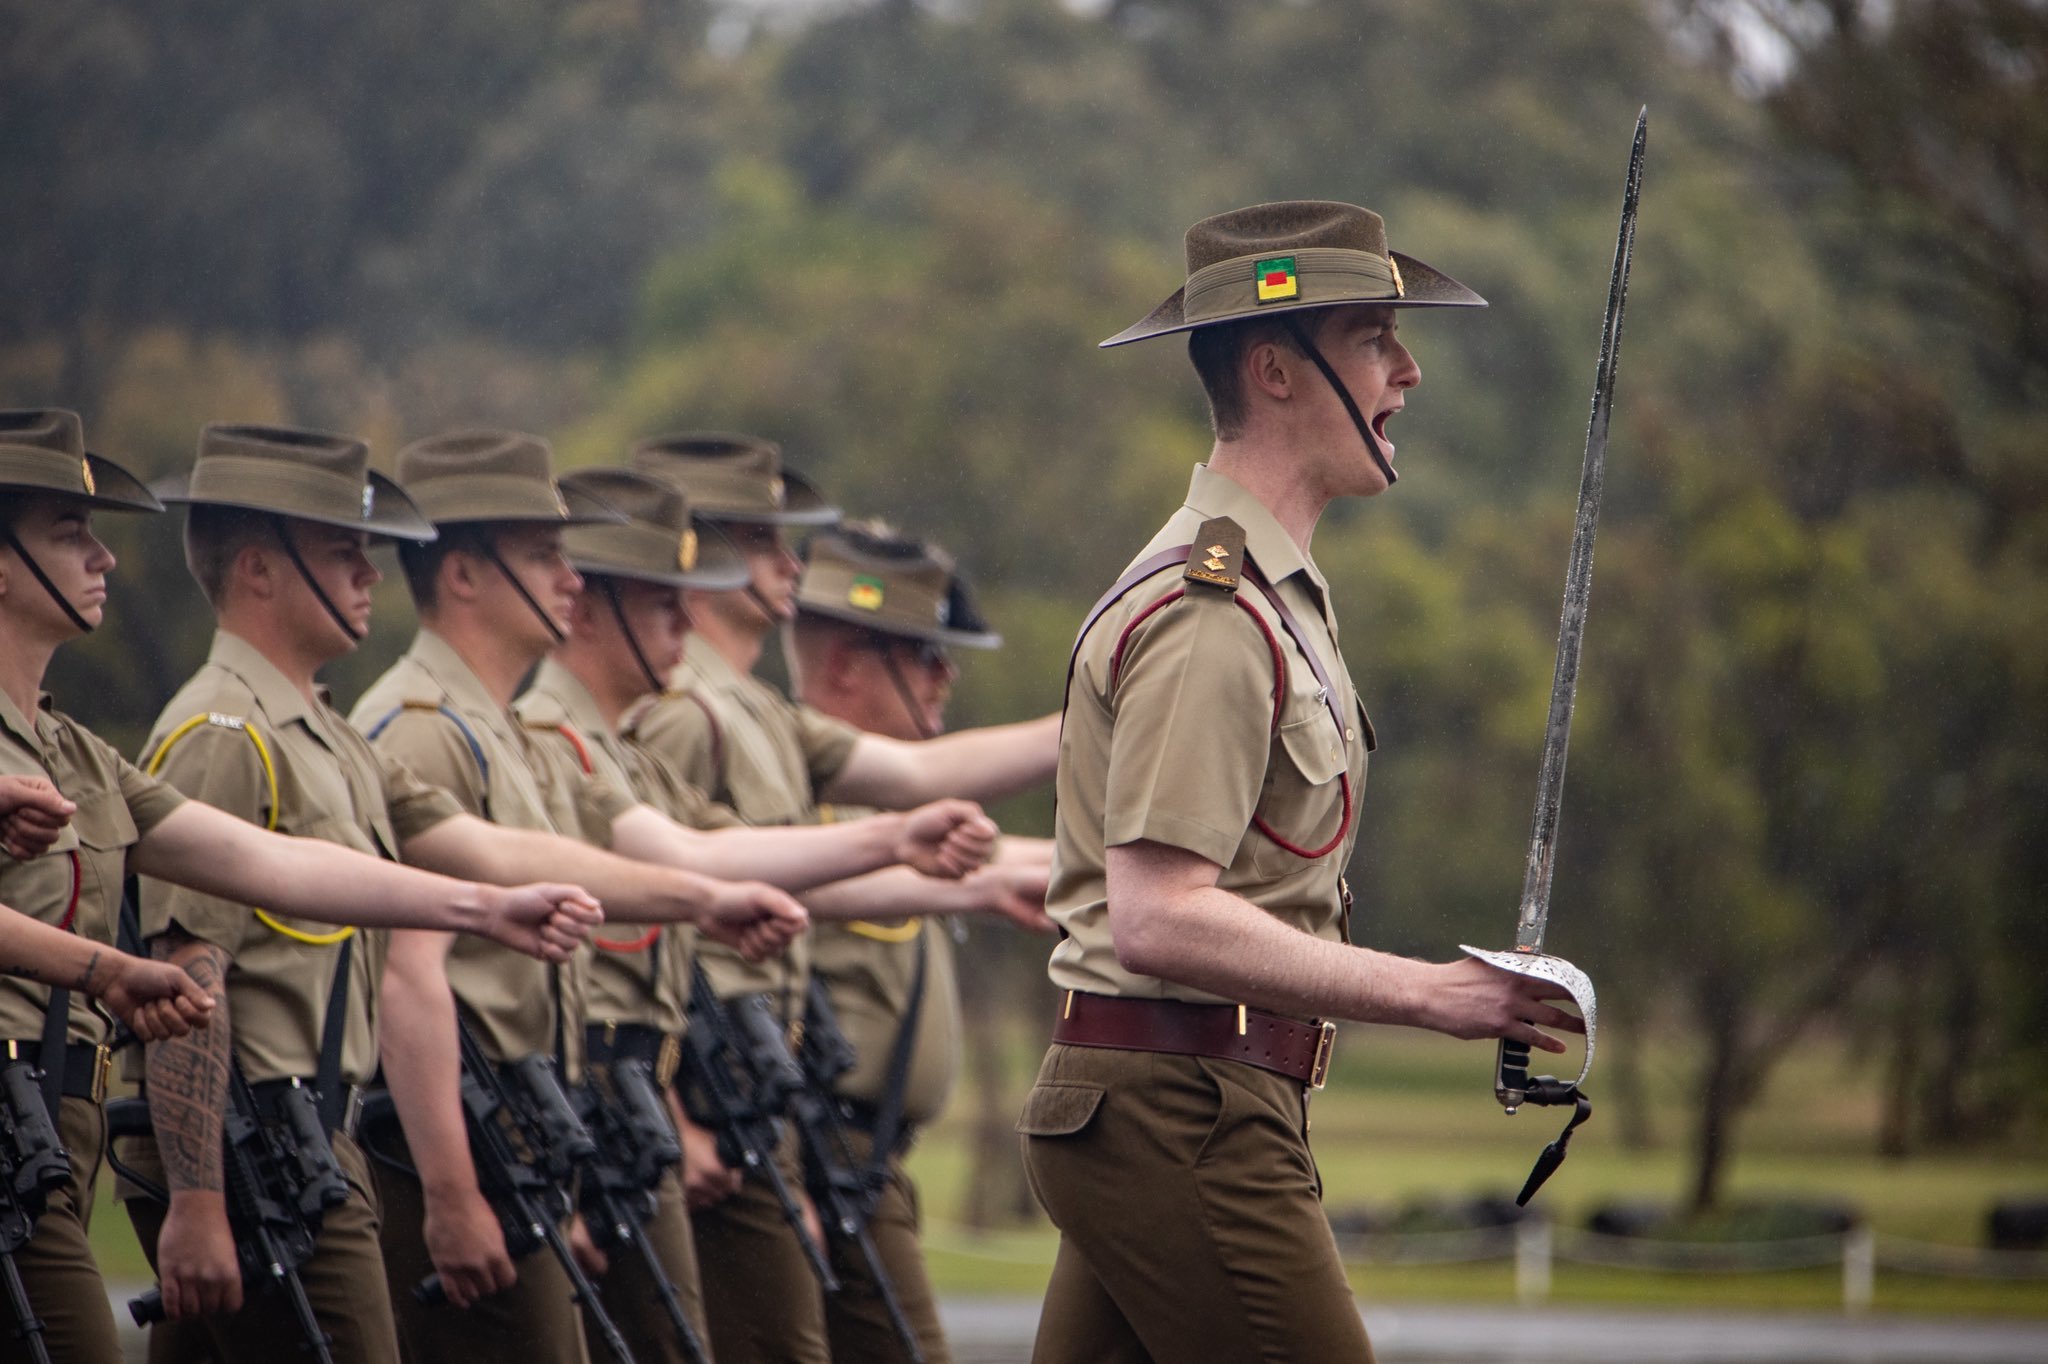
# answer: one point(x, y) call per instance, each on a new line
point(352, 1112)
point(1326, 1045)
point(102, 1065)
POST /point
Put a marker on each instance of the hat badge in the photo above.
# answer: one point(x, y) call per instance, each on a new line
point(686, 550)
point(369, 500)
point(866, 592)
point(776, 490)
point(85, 473)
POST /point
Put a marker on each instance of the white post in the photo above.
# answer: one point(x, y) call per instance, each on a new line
point(1532, 1260)
point(1859, 1270)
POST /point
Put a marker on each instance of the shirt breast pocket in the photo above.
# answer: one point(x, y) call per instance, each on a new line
point(103, 822)
point(1301, 814)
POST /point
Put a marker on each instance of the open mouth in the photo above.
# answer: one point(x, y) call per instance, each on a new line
point(1379, 426)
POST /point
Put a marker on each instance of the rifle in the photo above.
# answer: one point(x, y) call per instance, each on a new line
point(845, 1189)
point(281, 1178)
point(739, 1091)
point(529, 1196)
point(33, 1164)
point(636, 1148)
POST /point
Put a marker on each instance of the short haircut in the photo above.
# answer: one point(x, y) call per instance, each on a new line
point(422, 562)
point(214, 536)
point(1218, 354)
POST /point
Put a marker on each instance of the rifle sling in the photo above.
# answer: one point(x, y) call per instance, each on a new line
point(56, 1027)
point(889, 1113)
point(333, 1095)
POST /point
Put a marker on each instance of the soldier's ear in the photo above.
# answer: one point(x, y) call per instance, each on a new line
point(254, 568)
point(1272, 368)
point(460, 575)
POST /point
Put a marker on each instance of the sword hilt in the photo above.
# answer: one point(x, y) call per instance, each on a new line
point(1511, 1075)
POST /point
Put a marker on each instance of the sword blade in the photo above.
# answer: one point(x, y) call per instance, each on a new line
point(1534, 916)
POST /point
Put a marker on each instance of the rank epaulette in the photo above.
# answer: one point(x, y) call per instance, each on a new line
point(1216, 559)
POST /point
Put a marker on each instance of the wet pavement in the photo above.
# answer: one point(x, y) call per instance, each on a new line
point(998, 1331)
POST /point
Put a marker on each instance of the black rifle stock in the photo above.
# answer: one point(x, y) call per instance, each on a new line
point(845, 1189)
point(636, 1148)
point(739, 1093)
point(33, 1165)
point(281, 1178)
point(529, 1197)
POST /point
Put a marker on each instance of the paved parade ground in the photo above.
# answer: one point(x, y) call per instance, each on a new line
point(998, 1331)
point(993, 1331)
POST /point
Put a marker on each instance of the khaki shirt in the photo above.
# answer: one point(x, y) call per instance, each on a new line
point(868, 969)
point(81, 873)
point(323, 780)
point(650, 987)
point(737, 738)
point(519, 1006)
point(1180, 748)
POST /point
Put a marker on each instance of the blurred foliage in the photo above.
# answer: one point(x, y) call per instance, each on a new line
point(1810, 779)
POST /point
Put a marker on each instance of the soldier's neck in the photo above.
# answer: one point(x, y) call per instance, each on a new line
point(1274, 477)
point(612, 694)
point(498, 661)
point(736, 644)
point(280, 647)
point(22, 665)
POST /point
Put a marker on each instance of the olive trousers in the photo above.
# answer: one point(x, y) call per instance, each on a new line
point(343, 1279)
point(854, 1316)
point(535, 1319)
point(57, 1268)
point(760, 1296)
point(1190, 1215)
point(628, 1291)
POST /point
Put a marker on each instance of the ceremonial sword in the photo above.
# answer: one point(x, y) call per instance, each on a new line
point(1513, 1085)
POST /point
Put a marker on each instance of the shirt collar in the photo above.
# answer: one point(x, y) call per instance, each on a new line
point(273, 691)
point(21, 726)
point(1211, 494)
point(566, 690)
point(701, 657)
point(466, 691)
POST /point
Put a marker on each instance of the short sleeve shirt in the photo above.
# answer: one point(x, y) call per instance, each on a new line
point(78, 880)
point(743, 742)
point(239, 735)
point(649, 987)
point(432, 712)
point(869, 969)
point(1195, 720)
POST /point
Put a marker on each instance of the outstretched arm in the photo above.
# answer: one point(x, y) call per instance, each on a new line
point(757, 919)
point(209, 850)
point(1013, 891)
point(946, 838)
point(154, 999)
point(974, 764)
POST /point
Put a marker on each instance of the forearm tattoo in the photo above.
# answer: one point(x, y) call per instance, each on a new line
point(92, 963)
point(188, 1076)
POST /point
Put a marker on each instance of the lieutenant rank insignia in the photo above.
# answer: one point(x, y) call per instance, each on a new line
point(1217, 556)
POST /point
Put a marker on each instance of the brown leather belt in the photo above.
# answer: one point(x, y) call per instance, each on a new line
point(1228, 1032)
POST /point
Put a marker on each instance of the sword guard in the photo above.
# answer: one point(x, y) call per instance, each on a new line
point(1557, 971)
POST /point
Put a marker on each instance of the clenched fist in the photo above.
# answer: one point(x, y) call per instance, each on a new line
point(543, 920)
point(757, 919)
point(947, 838)
point(32, 813)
